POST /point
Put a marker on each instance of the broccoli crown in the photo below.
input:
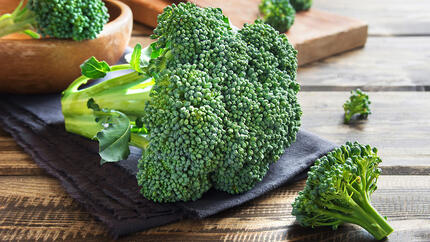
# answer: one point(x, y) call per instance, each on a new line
point(279, 14)
point(248, 87)
point(185, 121)
point(221, 105)
point(338, 190)
point(301, 5)
point(69, 19)
point(358, 103)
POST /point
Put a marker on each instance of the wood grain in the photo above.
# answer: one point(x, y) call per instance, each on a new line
point(386, 63)
point(385, 17)
point(398, 125)
point(38, 208)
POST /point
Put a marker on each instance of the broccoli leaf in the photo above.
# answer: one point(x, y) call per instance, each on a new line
point(135, 58)
point(92, 68)
point(115, 136)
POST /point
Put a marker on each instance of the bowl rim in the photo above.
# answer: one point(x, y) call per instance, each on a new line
point(108, 29)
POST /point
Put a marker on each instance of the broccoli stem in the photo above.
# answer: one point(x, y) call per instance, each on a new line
point(20, 20)
point(379, 228)
point(368, 218)
point(127, 94)
point(383, 228)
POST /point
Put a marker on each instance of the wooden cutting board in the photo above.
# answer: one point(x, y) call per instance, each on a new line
point(315, 34)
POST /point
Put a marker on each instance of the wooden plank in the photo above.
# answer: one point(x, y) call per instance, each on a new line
point(38, 208)
point(398, 127)
point(385, 17)
point(386, 63)
point(13, 159)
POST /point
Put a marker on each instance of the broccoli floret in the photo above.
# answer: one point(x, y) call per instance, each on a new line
point(301, 5)
point(279, 14)
point(358, 103)
point(209, 106)
point(338, 191)
point(64, 19)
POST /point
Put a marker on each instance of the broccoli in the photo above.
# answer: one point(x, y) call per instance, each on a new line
point(279, 14)
point(301, 5)
point(338, 191)
point(209, 106)
point(64, 19)
point(358, 103)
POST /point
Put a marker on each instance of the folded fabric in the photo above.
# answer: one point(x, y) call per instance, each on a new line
point(110, 192)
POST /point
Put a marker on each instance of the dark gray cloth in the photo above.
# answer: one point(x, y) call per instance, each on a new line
point(110, 192)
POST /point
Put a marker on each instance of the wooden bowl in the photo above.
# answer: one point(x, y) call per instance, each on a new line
point(50, 65)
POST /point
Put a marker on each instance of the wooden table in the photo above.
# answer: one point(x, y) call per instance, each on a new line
point(394, 67)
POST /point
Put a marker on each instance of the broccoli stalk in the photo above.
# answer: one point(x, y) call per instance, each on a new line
point(338, 191)
point(127, 94)
point(77, 20)
point(209, 106)
point(358, 103)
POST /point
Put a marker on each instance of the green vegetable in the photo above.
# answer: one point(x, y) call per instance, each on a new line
point(63, 19)
point(279, 14)
point(301, 5)
point(208, 105)
point(338, 191)
point(358, 103)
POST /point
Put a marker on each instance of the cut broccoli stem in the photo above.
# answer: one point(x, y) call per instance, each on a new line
point(381, 221)
point(130, 91)
point(373, 222)
point(363, 215)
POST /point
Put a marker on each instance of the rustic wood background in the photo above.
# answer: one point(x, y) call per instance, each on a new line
point(394, 67)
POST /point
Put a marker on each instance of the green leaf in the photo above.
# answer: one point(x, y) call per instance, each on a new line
point(92, 68)
point(115, 136)
point(135, 58)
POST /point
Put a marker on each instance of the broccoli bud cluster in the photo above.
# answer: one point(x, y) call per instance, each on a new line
point(237, 91)
point(301, 5)
point(338, 191)
point(69, 19)
point(279, 14)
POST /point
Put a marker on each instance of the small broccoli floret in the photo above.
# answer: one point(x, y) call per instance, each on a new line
point(208, 105)
point(358, 103)
point(279, 14)
point(71, 19)
point(338, 191)
point(301, 5)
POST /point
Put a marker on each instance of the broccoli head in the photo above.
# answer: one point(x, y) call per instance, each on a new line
point(279, 14)
point(338, 191)
point(209, 106)
point(63, 19)
point(301, 5)
point(358, 103)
